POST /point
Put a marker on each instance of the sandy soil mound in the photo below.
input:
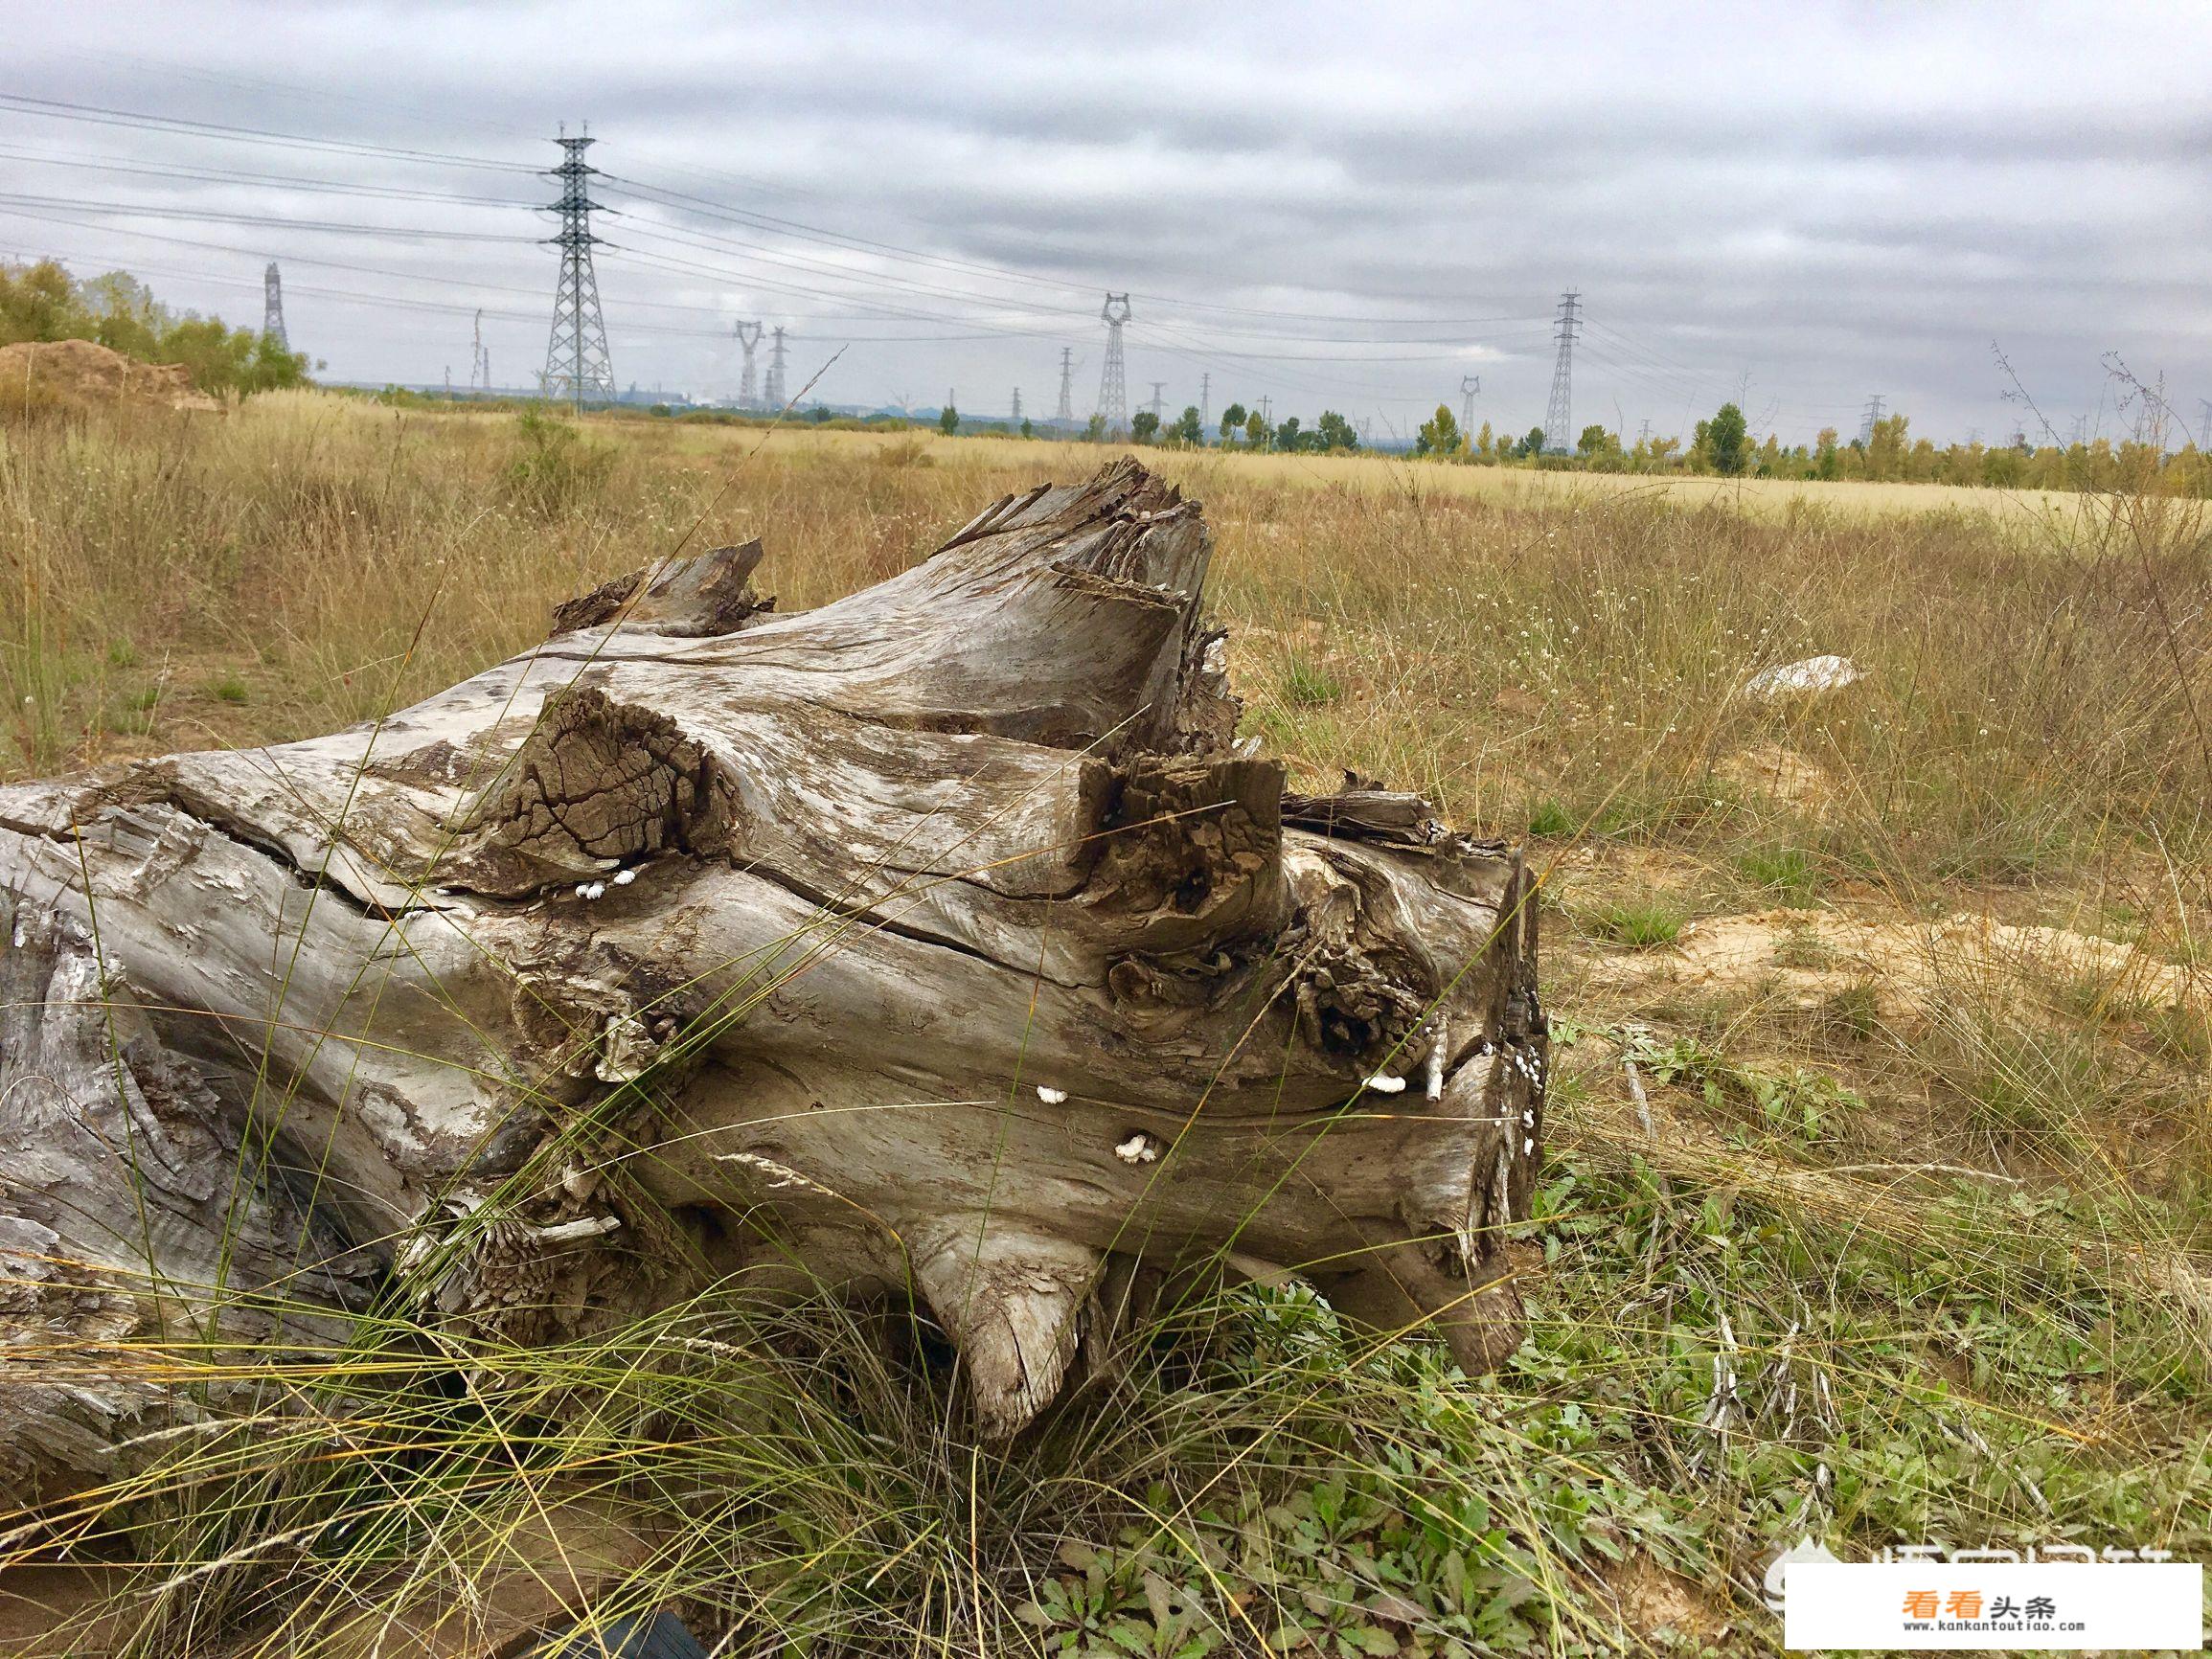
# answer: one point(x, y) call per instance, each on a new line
point(1779, 774)
point(1813, 954)
point(85, 375)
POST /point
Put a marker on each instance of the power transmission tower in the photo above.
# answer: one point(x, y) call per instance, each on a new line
point(1645, 436)
point(2081, 430)
point(748, 341)
point(1159, 403)
point(1867, 420)
point(1558, 416)
point(273, 307)
point(1205, 402)
point(1267, 413)
point(1468, 386)
point(576, 364)
point(1064, 415)
point(1113, 396)
point(479, 360)
point(1017, 407)
point(2204, 422)
point(775, 399)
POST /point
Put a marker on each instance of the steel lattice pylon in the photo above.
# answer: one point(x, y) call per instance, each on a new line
point(273, 307)
point(576, 364)
point(1113, 393)
point(776, 370)
point(1559, 418)
point(748, 338)
point(1064, 415)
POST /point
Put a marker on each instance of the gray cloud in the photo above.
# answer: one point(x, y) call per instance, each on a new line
point(1813, 202)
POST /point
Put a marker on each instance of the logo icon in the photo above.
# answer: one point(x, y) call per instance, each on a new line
point(1805, 1549)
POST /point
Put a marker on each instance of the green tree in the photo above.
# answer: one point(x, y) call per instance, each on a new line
point(1094, 429)
point(1027, 430)
point(949, 420)
point(1188, 428)
point(40, 302)
point(1885, 448)
point(1440, 434)
point(1724, 441)
point(1484, 442)
point(1335, 432)
point(1233, 419)
point(1289, 438)
point(1256, 430)
point(1824, 464)
point(1145, 426)
point(1531, 445)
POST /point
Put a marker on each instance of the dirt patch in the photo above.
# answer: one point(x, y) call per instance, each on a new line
point(1779, 774)
point(81, 375)
point(1810, 955)
point(1653, 1599)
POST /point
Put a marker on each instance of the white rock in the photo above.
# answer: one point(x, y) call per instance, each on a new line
point(624, 878)
point(1051, 1097)
point(1823, 673)
point(1383, 1084)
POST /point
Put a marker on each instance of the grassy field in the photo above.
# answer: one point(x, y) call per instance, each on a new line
point(1879, 1194)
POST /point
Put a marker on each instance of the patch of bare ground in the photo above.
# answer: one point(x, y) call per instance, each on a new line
point(1809, 956)
point(1654, 1602)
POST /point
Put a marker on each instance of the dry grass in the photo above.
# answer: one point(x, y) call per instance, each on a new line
point(1919, 1224)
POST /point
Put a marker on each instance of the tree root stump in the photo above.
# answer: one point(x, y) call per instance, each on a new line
point(942, 943)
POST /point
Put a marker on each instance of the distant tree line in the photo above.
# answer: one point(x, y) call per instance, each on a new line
point(1244, 429)
point(43, 302)
point(1723, 447)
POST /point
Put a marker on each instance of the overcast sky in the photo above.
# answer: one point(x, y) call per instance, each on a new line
point(1341, 206)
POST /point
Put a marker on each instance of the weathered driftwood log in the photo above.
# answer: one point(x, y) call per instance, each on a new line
point(939, 944)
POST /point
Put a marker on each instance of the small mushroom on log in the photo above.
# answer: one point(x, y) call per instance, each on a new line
point(939, 944)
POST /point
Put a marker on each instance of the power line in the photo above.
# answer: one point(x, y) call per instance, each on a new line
point(104, 116)
point(228, 176)
point(162, 211)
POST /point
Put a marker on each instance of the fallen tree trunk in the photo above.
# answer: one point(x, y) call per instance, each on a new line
point(940, 943)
